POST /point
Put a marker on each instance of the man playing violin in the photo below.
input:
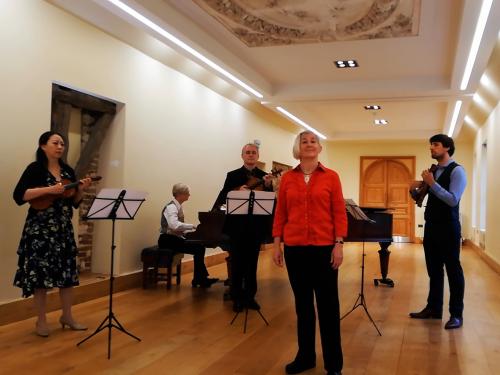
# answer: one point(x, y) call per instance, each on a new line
point(442, 232)
point(246, 233)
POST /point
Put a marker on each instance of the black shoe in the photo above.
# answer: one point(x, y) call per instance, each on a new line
point(454, 322)
point(296, 367)
point(205, 283)
point(237, 306)
point(426, 313)
point(252, 305)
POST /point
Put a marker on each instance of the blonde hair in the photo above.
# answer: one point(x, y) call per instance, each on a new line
point(180, 188)
point(296, 143)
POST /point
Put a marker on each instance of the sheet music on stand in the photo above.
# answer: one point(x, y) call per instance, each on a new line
point(245, 202)
point(103, 204)
point(113, 204)
point(356, 212)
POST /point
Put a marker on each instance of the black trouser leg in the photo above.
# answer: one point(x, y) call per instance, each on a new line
point(456, 280)
point(300, 272)
point(327, 301)
point(200, 272)
point(178, 244)
point(434, 264)
point(236, 272)
point(250, 274)
point(244, 261)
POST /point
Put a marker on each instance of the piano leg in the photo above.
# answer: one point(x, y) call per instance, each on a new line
point(384, 255)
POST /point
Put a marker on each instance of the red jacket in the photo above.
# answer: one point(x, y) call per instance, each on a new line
point(313, 213)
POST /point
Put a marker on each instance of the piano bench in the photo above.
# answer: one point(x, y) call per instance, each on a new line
point(153, 259)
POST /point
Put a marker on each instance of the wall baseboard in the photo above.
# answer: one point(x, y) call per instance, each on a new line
point(94, 287)
point(494, 265)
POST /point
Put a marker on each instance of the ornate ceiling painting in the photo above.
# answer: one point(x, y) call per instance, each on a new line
point(260, 23)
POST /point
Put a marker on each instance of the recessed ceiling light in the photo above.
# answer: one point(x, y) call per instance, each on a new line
point(476, 41)
point(346, 64)
point(300, 122)
point(454, 118)
point(381, 122)
point(372, 107)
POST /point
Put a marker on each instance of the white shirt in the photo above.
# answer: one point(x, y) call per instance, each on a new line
point(175, 216)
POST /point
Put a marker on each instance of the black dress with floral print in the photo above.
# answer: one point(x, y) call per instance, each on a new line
point(47, 250)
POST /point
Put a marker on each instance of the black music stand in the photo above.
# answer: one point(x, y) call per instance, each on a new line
point(250, 202)
point(113, 204)
point(358, 214)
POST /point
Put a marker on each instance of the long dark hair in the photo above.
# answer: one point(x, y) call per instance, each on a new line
point(40, 154)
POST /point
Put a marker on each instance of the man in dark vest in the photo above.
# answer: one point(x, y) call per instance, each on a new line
point(246, 233)
point(442, 235)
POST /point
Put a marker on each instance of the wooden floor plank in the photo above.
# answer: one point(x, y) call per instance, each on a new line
point(186, 331)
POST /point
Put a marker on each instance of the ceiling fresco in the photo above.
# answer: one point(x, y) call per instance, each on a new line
point(260, 23)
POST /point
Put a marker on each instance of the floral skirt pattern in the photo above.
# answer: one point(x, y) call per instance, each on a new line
point(47, 250)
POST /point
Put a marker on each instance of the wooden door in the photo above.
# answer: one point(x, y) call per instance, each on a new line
point(384, 183)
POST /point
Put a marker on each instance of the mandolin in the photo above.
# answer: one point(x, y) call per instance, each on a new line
point(45, 201)
point(420, 192)
point(255, 183)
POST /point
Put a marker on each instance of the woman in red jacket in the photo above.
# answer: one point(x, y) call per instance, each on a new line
point(311, 220)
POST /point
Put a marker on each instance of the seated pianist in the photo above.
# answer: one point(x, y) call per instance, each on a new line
point(173, 230)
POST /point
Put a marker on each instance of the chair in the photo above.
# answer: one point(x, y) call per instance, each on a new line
point(154, 258)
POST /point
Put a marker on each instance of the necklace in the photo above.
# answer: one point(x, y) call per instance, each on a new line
point(308, 173)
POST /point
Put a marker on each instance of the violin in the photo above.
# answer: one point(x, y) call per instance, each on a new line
point(255, 183)
point(45, 201)
point(419, 193)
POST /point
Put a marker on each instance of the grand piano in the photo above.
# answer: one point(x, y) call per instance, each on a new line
point(210, 230)
point(371, 224)
point(365, 224)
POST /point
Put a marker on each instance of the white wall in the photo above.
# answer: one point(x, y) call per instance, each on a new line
point(170, 128)
point(345, 159)
point(490, 133)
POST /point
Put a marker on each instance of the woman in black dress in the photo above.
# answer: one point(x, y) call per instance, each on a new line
point(47, 250)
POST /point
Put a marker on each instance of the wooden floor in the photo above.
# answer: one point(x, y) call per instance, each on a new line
point(187, 331)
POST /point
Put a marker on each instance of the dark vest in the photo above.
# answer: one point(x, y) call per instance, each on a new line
point(436, 210)
point(164, 224)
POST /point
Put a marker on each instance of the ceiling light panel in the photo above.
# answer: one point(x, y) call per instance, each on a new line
point(372, 107)
point(187, 48)
point(346, 64)
point(380, 122)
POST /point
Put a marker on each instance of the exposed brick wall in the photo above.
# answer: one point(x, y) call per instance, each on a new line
point(86, 227)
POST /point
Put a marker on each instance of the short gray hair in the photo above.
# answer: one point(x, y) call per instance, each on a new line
point(180, 188)
point(249, 144)
point(296, 143)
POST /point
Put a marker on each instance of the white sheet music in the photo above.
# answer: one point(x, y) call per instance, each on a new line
point(356, 212)
point(104, 202)
point(237, 202)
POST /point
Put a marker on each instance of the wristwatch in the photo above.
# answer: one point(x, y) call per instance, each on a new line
point(340, 241)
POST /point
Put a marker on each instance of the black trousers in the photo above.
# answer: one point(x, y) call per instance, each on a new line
point(442, 248)
point(244, 260)
point(169, 241)
point(311, 275)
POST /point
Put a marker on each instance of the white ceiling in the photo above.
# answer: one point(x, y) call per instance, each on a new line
point(415, 79)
